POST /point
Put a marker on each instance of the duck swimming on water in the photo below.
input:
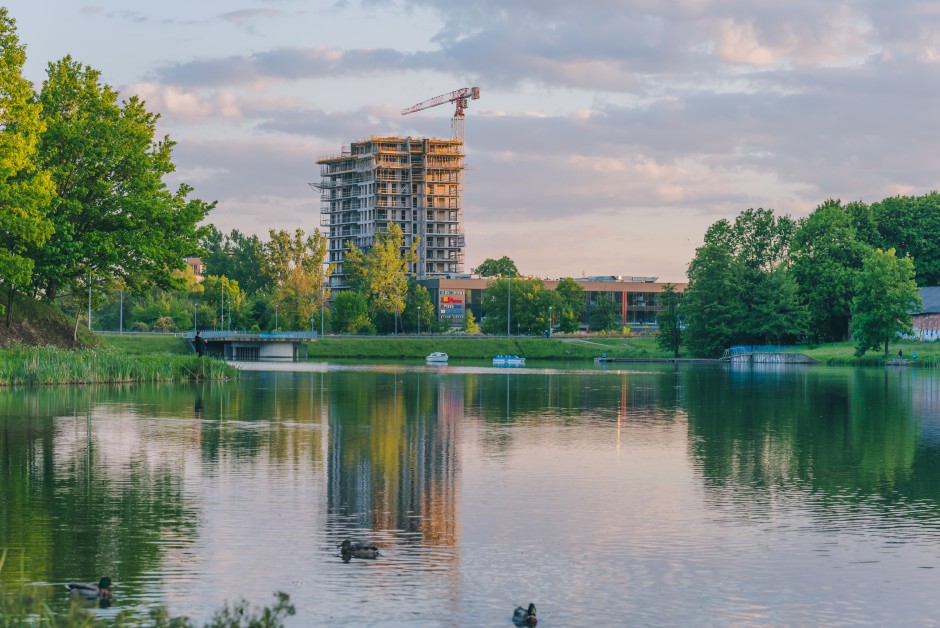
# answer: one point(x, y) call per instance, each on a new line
point(92, 592)
point(525, 617)
point(355, 549)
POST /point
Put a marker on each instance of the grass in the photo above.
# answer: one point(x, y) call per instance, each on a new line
point(23, 365)
point(843, 353)
point(146, 344)
point(477, 347)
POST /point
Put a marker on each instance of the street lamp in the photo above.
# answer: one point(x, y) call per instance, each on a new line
point(549, 321)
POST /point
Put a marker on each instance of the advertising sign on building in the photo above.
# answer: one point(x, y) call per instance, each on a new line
point(451, 304)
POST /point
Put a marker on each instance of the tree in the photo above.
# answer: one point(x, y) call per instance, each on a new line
point(827, 256)
point(350, 314)
point(25, 187)
point(381, 274)
point(114, 216)
point(605, 313)
point(669, 337)
point(295, 264)
point(528, 311)
point(886, 295)
point(778, 314)
point(570, 305)
point(237, 256)
point(911, 226)
point(469, 323)
point(502, 267)
point(418, 315)
point(712, 304)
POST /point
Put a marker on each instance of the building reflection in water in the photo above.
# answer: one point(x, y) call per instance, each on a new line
point(393, 459)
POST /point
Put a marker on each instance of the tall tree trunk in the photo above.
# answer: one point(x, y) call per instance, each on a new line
point(78, 317)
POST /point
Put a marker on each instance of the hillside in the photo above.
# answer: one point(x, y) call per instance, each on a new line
point(40, 323)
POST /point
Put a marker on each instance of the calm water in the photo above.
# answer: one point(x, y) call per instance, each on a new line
point(656, 496)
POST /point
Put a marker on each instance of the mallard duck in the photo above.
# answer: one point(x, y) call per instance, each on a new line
point(525, 617)
point(92, 591)
point(355, 549)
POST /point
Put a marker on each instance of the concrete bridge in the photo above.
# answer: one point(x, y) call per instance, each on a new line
point(234, 345)
point(766, 355)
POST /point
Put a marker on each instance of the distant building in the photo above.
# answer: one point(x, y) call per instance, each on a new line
point(637, 297)
point(926, 322)
point(416, 183)
point(196, 263)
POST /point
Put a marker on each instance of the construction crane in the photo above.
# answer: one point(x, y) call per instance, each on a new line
point(462, 99)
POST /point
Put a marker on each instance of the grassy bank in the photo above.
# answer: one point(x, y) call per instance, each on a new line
point(47, 365)
point(843, 353)
point(482, 347)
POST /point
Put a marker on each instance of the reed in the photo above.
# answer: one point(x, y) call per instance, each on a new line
point(22, 365)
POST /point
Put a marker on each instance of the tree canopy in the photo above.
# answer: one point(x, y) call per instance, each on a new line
point(25, 187)
point(381, 274)
point(502, 267)
point(114, 216)
point(886, 294)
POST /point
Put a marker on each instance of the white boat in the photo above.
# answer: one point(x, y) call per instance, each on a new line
point(508, 360)
point(437, 357)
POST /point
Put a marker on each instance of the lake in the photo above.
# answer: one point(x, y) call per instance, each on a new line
point(654, 495)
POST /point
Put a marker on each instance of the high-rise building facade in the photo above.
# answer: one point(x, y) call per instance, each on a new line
point(416, 183)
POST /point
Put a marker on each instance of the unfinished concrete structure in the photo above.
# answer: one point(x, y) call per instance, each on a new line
point(415, 183)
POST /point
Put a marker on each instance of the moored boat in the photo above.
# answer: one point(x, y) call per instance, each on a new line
point(508, 360)
point(437, 356)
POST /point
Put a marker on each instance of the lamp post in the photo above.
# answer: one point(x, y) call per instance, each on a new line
point(275, 317)
point(322, 304)
point(549, 321)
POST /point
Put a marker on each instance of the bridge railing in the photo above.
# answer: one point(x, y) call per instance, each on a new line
point(745, 349)
point(241, 335)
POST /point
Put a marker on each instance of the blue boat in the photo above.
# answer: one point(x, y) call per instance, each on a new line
point(508, 360)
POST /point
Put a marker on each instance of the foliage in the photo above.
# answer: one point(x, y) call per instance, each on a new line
point(236, 256)
point(25, 187)
point(525, 301)
point(381, 274)
point(28, 607)
point(886, 295)
point(569, 305)
point(502, 267)
point(911, 225)
point(605, 313)
point(418, 315)
point(669, 337)
point(827, 258)
point(21, 365)
point(114, 216)
point(758, 239)
point(470, 324)
point(712, 304)
point(350, 314)
point(777, 314)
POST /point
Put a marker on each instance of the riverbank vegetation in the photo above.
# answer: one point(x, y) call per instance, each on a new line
point(765, 279)
point(32, 365)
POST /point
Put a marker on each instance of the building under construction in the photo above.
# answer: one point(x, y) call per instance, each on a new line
point(415, 183)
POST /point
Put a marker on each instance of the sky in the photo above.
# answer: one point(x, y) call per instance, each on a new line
point(609, 133)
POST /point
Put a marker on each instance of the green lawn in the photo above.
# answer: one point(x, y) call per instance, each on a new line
point(141, 344)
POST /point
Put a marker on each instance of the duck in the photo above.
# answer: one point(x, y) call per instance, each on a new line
point(525, 617)
point(356, 549)
point(91, 591)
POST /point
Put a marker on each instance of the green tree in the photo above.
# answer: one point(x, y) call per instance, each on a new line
point(25, 187)
point(296, 265)
point(528, 311)
point(669, 337)
point(570, 306)
point(827, 257)
point(238, 256)
point(605, 313)
point(911, 225)
point(350, 314)
point(502, 267)
point(712, 304)
point(418, 315)
point(113, 214)
point(381, 274)
point(886, 295)
point(779, 315)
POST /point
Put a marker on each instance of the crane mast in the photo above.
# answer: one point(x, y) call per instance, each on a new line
point(460, 97)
